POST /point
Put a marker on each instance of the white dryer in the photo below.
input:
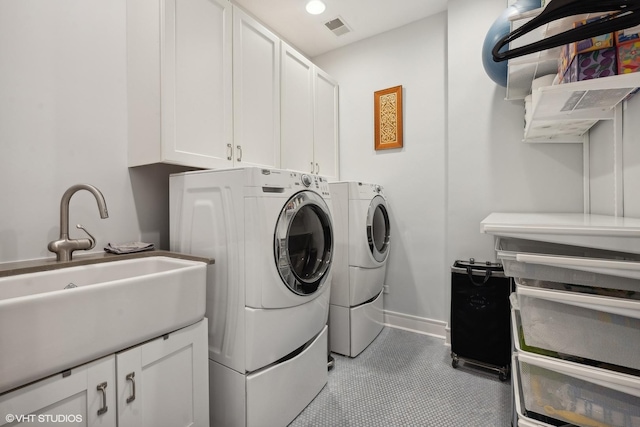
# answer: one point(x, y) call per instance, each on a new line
point(362, 233)
point(270, 233)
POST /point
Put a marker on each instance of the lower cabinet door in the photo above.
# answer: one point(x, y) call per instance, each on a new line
point(82, 396)
point(164, 382)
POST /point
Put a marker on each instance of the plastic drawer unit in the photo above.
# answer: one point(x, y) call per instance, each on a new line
point(577, 265)
point(553, 391)
point(591, 326)
point(523, 418)
point(576, 394)
point(579, 394)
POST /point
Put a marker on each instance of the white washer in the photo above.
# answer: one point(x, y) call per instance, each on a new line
point(361, 229)
point(271, 235)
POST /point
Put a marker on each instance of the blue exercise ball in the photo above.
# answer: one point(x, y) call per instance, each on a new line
point(497, 71)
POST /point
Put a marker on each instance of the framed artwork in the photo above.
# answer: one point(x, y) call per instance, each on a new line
point(388, 118)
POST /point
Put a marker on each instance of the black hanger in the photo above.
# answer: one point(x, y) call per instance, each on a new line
point(626, 14)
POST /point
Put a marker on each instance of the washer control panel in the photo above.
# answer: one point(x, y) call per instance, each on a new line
point(306, 180)
point(312, 182)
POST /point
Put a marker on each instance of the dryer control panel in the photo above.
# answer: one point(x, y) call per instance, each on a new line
point(366, 191)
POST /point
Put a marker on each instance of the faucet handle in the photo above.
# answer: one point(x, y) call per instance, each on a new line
point(91, 238)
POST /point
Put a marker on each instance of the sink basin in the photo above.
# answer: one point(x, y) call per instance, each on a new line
point(51, 321)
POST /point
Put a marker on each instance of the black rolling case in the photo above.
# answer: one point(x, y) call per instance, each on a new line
point(480, 316)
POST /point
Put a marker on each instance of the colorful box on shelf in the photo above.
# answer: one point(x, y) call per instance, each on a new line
point(592, 65)
point(585, 63)
point(628, 56)
point(563, 62)
point(594, 43)
point(628, 35)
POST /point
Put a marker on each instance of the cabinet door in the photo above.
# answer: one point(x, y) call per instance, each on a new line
point(325, 139)
point(165, 382)
point(196, 83)
point(256, 93)
point(179, 82)
point(297, 111)
point(85, 397)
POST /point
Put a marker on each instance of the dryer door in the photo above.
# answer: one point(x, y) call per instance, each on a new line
point(378, 229)
point(303, 242)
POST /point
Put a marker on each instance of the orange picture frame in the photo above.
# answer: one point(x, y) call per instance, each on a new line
point(388, 118)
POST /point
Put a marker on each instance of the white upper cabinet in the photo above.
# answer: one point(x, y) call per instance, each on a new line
point(210, 87)
point(179, 82)
point(325, 129)
point(297, 111)
point(309, 117)
point(256, 93)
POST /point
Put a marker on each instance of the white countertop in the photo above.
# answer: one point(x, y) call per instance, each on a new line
point(596, 231)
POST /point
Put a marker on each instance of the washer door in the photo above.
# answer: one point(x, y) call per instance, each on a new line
point(378, 229)
point(303, 242)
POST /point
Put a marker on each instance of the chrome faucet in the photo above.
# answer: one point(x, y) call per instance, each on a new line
point(64, 246)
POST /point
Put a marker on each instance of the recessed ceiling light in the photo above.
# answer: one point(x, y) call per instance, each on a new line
point(315, 7)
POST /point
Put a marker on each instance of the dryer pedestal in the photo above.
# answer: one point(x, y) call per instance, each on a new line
point(352, 329)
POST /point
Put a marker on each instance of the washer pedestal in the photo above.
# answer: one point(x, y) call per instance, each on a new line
point(352, 329)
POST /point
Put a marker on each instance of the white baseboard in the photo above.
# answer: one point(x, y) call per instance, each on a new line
point(419, 325)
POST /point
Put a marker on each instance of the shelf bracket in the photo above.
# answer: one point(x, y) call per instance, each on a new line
point(586, 173)
point(618, 174)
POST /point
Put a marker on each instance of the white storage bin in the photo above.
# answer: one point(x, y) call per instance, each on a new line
point(524, 420)
point(577, 394)
point(569, 264)
point(604, 329)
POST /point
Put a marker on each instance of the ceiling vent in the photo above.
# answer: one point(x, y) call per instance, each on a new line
point(337, 26)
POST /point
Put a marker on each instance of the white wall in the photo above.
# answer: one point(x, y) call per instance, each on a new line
point(631, 157)
point(462, 158)
point(63, 121)
point(609, 182)
point(413, 177)
point(490, 169)
point(601, 169)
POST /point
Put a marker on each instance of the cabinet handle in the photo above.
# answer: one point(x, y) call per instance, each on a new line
point(229, 151)
point(239, 148)
point(102, 387)
point(318, 168)
point(312, 168)
point(130, 377)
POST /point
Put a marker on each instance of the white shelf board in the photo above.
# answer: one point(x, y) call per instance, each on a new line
point(593, 99)
point(571, 109)
point(594, 231)
point(565, 112)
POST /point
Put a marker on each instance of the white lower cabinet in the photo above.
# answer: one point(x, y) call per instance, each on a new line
point(161, 382)
point(82, 396)
point(164, 382)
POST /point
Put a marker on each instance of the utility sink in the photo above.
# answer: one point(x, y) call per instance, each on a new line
point(51, 321)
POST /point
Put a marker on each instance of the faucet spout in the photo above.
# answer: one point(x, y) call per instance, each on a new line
point(66, 198)
point(64, 246)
